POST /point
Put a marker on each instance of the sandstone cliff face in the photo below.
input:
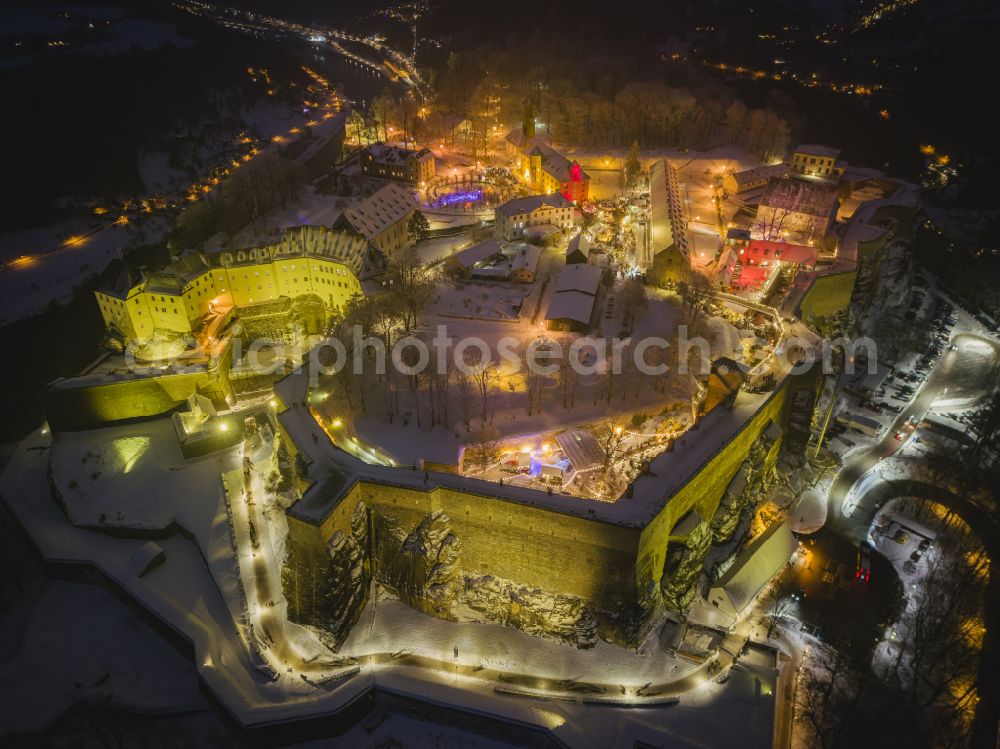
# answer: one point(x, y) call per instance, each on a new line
point(420, 566)
point(748, 486)
point(329, 590)
point(423, 566)
point(532, 610)
point(682, 567)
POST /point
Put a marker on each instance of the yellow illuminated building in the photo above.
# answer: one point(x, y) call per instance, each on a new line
point(186, 295)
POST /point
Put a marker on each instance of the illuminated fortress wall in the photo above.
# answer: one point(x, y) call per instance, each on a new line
point(90, 406)
point(465, 556)
point(702, 493)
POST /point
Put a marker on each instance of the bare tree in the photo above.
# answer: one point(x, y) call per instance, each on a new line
point(631, 300)
point(483, 449)
point(612, 437)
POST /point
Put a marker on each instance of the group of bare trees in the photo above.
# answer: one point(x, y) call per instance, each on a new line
point(921, 689)
point(598, 101)
point(269, 181)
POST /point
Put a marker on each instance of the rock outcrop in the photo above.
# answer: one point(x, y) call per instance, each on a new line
point(682, 567)
point(424, 568)
point(330, 590)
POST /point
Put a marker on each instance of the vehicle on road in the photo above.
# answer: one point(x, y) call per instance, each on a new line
point(863, 572)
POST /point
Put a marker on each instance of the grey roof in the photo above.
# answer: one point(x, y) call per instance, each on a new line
point(756, 564)
point(118, 278)
point(526, 257)
point(387, 154)
point(378, 212)
point(579, 243)
point(571, 305)
point(476, 254)
point(760, 173)
point(533, 203)
point(582, 448)
point(579, 277)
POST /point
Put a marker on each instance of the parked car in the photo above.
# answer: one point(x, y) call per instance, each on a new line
point(925, 544)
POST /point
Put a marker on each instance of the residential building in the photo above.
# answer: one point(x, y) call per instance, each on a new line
point(753, 179)
point(392, 162)
point(382, 218)
point(574, 299)
point(818, 161)
point(524, 264)
point(533, 215)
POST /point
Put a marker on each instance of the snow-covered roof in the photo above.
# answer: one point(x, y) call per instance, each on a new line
point(571, 305)
point(476, 254)
point(579, 277)
point(813, 149)
point(526, 258)
point(532, 203)
point(389, 154)
point(800, 196)
point(378, 212)
point(755, 566)
point(580, 243)
point(539, 231)
point(668, 219)
point(760, 174)
point(300, 241)
point(555, 164)
point(581, 448)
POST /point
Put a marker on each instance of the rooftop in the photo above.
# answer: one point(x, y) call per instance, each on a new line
point(571, 305)
point(526, 257)
point(300, 241)
point(813, 149)
point(477, 253)
point(378, 212)
point(579, 277)
point(756, 564)
point(800, 196)
point(532, 203)
point(760, 173)
point(579, 243)
point(390, 154)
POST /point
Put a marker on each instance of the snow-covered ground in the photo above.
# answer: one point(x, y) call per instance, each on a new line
point(183, 594)
point(76, 642)
point(134, 476)
point(28, 288)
